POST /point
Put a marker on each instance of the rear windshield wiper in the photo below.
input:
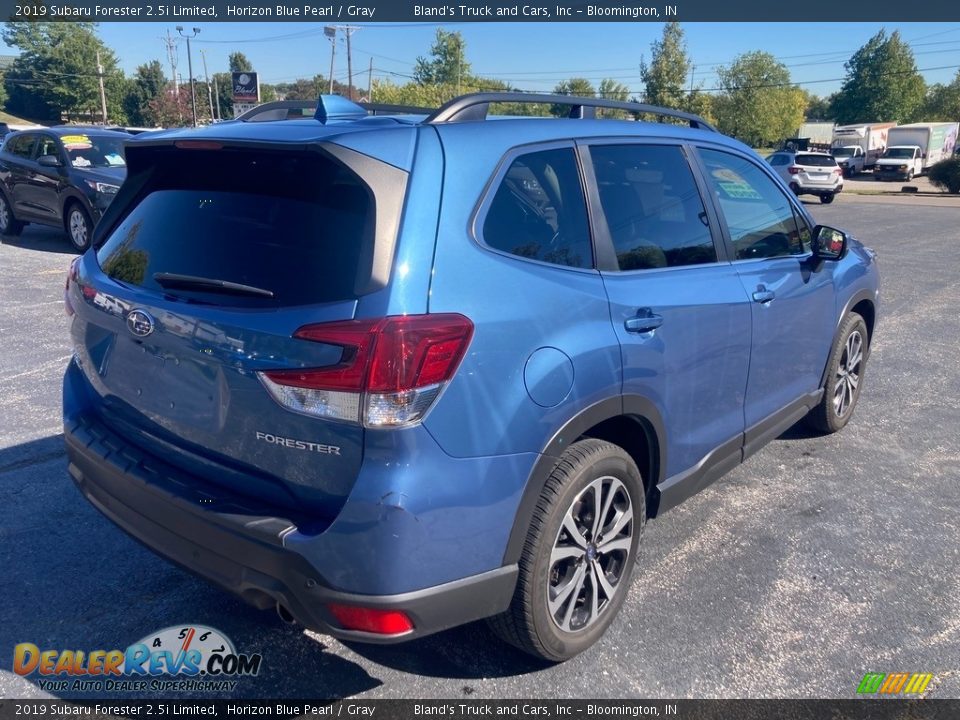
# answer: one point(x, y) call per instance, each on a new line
point(191, 282)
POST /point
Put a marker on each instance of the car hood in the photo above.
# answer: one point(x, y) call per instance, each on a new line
point(110, 175)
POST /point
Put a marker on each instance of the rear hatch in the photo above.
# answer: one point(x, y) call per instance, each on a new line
point(217, 257)
point(817, 169)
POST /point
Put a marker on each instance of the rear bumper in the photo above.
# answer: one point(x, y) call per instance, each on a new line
point(243, 550)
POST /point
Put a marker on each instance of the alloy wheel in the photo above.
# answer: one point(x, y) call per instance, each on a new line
point(847, 379)
point(590, 554)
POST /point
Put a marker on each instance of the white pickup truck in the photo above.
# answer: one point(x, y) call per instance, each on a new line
point(851, 159)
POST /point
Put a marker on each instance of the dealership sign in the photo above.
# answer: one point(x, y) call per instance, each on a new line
point(246, 87)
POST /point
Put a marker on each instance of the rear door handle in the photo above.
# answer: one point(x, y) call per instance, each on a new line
point(762, 295)
point(645, 321)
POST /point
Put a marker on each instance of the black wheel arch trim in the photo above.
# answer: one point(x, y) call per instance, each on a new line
point(84, 202)
point(634, 406)
point(855, 299)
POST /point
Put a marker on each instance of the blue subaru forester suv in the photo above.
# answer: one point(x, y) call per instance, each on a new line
point(391, 374)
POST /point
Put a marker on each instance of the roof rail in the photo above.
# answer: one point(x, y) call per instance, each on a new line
point(476, 105)
point(290, 109)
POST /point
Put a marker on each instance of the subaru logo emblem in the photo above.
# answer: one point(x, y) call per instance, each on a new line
point(139, 323)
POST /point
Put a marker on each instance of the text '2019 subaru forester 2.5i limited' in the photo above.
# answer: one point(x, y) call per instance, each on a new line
point(395, 374)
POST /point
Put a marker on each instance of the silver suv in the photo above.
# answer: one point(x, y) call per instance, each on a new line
point(809, 173)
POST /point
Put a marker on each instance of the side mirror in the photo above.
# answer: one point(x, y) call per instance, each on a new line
point(828, 243)
point(49, 161)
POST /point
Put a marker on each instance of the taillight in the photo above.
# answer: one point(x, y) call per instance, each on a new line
point(390, 372)
point(793, 170)
point(381, 622)
point(838, 171)
point(72, 275)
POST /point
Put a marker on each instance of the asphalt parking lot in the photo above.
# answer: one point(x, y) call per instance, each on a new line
point(818, 560)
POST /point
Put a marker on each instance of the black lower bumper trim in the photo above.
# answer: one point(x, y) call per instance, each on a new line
point(243, 552)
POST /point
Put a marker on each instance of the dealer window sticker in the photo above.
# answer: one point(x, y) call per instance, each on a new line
point(734, 186)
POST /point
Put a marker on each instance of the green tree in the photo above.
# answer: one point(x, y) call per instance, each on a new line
point(882, 83)
point(574, 86)
point(757, 102)
point(447, 62)
point(239, 63)
point(818, 108)
point(665, 78)
point(148, 83)
point(943, 102)
point(56, 72)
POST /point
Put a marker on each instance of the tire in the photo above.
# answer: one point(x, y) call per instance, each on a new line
point(543, 620)
point(9, 225)
point(78, 226)
point(909, 176)
point(826, 198)
point(795, 188)
point(845, 370)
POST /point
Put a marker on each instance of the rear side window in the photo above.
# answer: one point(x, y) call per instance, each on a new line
point(653, 210)
point(21, 145)
point(538, 211)
point(292, 226)
point(779, 160)
point(816, 161)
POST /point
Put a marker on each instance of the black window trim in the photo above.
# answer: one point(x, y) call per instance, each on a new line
point(479, 214)
point(798, 209)
point(603, 241)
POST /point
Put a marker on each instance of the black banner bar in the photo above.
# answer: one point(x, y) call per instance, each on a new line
point(440, 11)
point(857, 709)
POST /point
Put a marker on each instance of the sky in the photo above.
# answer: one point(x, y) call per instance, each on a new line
point(532, 56)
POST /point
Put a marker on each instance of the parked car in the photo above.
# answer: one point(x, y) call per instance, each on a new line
point(809, 173)
point(391, 375)
point(61, 176)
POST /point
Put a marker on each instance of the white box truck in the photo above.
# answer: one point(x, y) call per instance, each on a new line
point(871, 138)
point(912, 149)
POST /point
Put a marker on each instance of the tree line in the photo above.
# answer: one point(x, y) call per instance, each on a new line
point(56, 77)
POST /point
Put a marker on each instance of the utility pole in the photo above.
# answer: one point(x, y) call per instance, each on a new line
point(172, 54)
point(348, 31)
point(193, 93)
point(203, 55)
point(216, 92)
point(330, 32)
point(370, 82)
point(103, 95)
point(692, 68)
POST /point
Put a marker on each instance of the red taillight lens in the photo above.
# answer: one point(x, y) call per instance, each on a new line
point(386, 355)
point(838, 171)
point(381, 622)
point(793, 170)
point(397, 363)
point(413, 351)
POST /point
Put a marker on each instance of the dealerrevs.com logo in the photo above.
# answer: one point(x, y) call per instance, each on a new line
point(182, 657)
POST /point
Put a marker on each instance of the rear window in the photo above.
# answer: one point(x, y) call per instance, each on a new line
point(843, 152)
point(816, 161)
point(292, 227)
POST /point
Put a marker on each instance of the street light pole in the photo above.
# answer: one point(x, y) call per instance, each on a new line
point(193, 94)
